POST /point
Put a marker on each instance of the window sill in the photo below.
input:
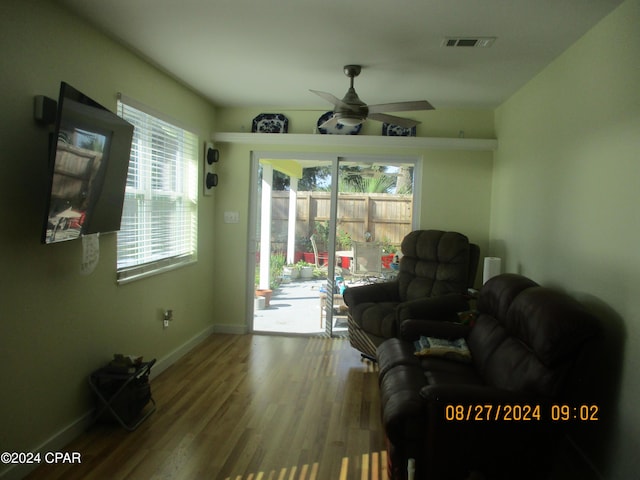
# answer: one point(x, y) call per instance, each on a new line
point(131, 274)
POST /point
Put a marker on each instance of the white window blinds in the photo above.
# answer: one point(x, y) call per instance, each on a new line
point(159, 229)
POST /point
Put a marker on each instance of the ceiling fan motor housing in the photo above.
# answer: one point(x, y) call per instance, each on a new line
point(358, 111)
point(357, 106)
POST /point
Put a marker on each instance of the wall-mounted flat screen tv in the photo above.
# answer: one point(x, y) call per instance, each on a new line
point(88, 164)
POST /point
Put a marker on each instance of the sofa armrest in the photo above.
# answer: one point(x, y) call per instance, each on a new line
point(375, 292)
point(404, 417)
point(442, 307)
point(411, 330)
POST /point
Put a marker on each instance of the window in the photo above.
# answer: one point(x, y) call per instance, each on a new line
point(159, 229)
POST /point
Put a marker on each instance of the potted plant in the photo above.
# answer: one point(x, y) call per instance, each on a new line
point(388, 247)
point(303, 245)
point(266, 294)
point(344, 240)
point(344, 243)
point(389, 252)
point(307, 255)
point(290, 271)
point(276, 263)
point(306, 270)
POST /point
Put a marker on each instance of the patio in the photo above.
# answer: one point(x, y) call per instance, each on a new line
point(295, 309)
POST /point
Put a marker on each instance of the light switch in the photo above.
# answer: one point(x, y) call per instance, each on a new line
point(231, 217)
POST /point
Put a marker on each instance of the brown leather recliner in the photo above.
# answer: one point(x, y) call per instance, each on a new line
point(494, 415)
point(436, 270)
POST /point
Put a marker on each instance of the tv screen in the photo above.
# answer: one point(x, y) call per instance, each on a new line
point(88, 164)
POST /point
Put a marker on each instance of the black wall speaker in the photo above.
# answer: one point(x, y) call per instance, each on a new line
point(212, 180)
point(213, 155)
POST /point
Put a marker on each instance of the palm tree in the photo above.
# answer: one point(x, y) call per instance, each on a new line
point(404, 184)
point(376, 179)
point(375, 184)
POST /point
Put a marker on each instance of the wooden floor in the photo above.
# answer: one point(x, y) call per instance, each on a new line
point(248, 407)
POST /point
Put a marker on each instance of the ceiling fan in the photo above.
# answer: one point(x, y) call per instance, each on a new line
point(351, 111)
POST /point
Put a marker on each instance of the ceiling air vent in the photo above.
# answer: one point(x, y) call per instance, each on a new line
point(483, 42)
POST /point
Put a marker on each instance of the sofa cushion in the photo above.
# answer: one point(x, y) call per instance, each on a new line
point(553, 325)
point(497, 295)
point(524, 348)
point(484, 338)
point(515, 368)
point(441, 371)
point(395, 352)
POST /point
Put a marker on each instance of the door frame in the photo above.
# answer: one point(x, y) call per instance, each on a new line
point(335, 159)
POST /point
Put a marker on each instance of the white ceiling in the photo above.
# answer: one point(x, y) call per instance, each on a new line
point(271, 52)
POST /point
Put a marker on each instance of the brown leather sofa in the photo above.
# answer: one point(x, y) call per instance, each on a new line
point(436, 270)
point(494, 414)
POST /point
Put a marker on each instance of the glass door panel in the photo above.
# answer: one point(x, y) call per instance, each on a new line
point(308, 214)
point(375, 210)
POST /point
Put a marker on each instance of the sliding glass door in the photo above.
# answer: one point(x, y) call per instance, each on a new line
point(308, 212)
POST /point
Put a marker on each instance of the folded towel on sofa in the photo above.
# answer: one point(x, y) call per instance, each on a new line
point(456, 349)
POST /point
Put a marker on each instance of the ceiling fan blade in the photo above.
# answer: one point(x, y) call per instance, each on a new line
point(327, 96)
point(393, 120)
point(401, 107)
point(334, 100)
point(332, 122)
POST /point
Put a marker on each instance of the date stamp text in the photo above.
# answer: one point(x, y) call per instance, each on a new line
point(520, 413)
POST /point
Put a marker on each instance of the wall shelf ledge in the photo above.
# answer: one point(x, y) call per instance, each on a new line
point(376, 141)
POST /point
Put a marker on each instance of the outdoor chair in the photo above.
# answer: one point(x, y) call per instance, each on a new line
point(436, 271)
point(321, 259)
point(367, 262)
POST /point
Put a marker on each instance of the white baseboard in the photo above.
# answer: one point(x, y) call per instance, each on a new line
point(63, 437)
point(165, 362)
point(232, 329)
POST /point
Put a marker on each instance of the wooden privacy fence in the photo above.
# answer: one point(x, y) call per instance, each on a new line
point(386, 217)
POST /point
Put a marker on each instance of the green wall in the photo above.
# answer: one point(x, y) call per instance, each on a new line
point(565, 206)
point(57, 325)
